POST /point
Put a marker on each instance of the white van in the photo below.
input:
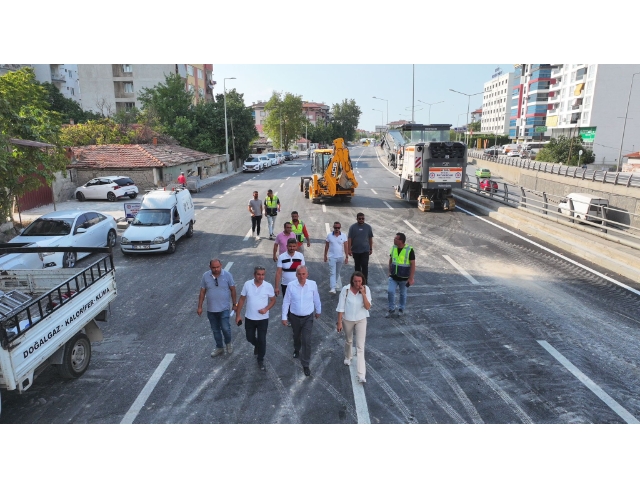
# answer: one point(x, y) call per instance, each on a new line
point(585, 207)
point(164, 217)
point(510, 147)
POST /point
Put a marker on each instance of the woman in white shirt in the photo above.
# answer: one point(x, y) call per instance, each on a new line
point(353, 311)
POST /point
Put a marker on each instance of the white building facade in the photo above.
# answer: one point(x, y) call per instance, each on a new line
point(590, 100)
point(62, 76)
point(108, 88)
point(496, 104)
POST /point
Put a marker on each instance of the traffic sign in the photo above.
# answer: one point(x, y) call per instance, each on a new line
point(541, 128)
point(587, 134)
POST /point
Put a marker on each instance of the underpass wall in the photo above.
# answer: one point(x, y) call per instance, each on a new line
point(625, 199)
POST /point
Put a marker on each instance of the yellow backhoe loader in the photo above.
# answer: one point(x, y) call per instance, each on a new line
point(333, 175)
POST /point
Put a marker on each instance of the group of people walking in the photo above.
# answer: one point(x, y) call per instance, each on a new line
point(301, 299)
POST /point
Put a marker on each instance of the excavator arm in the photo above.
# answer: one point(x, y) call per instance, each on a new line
point(339, 172)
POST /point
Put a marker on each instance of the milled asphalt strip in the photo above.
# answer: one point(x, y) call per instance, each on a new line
point(460, 270)
point(412, 227)
point(592, 386)
point(138, 404)
point(359, 398)
point(553, 252)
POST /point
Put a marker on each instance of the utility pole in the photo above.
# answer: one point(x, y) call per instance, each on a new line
point(413, 91)
point(233, 142)
point(625, 123)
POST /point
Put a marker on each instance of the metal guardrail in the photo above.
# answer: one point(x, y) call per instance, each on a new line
point(545, 204)
point(611, 177)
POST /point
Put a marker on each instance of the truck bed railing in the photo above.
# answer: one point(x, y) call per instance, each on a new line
point(28, 314)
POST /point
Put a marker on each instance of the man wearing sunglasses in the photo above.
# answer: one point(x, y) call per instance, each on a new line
point(335, 252)
point(220, 290)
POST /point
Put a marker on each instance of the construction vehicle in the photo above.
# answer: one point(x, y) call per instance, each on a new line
point(49, 316)
point(333, 175)
point(430, 165)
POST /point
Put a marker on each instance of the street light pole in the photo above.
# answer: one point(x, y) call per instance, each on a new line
point(458, 122)
point(226, 131)
point(468, 106)
point(430, 107)
point(387, 107)
point(625, 123)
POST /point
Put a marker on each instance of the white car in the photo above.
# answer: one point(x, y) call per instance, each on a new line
point(266, 162)
point(280, 157)
point(294, 154)
point(273, 159)
point(252, 164)
point(70, 228)
point(303, 153)
point(107, 188)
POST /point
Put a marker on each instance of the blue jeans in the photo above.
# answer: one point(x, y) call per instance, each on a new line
point(220, 326)
point(391, 291)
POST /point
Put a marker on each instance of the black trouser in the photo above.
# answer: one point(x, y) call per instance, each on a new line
point(260, 326)
point(255, 222)
point(284, 289)
point(302, 328)
point(361, 263)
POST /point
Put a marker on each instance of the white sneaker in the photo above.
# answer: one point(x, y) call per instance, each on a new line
point(253, 234)
point(362, 380)
point(347, 361)
point(258, 237)
point(332, 291)
point(229, 348)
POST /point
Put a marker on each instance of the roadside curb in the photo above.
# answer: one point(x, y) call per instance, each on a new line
point(615, 257)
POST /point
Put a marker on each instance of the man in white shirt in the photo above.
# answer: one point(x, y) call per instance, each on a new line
point(336, 252)
point(287, 265)
point(298, 305)
point(260, 298)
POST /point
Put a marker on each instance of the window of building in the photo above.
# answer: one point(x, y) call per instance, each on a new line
point(190, 69)
point(72, 91)
point(126, 68)
point(191, 88)
point(589, 86)
point(200, 75)
point(587, 102)
point(201, 92)
point(128, 87)
point(129, 105)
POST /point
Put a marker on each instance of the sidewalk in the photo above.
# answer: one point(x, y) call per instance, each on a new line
point(116, 208)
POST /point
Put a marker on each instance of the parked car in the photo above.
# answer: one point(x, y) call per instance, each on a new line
point(164, 217)
point(294, 154)
point(280, 157)
point(483, 173)
point(266, 162)
point(107, 188)
point(514, 153)
point(287, 155)
point(496, 150)
point(488, 185)
point(303, 153)
point(252, 164)
point(69, 228)
point(273, 159)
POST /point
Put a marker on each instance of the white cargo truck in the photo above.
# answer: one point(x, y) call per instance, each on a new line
point(49, 317)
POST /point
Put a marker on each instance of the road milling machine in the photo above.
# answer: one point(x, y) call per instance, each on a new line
point(431, 166)
point(333, 175)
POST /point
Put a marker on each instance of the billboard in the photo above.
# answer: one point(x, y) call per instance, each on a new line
point(587, 134)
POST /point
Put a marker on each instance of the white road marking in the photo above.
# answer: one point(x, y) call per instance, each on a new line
point(228, 266)
point(553, 252)
point(213, 201)
point(282, 185)
point(293, 174)
point(288, 178)
point(390, 207)
point(592, 386)
point(221, 196)
point(460, 269)
point(233, 189)
point(412, 227)
point(324, 209)
point(366, 182)
point(203, 208)
point(138, 404)
point(362, 410)
point(327, 228)
point(374, 191)
point(246, 237)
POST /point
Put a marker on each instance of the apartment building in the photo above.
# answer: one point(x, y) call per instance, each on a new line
point(108, 88)
point(496, 103)
point(591, 101)
point(314, 112)
point(198, 79)
point(7, 68)
point(62, 76)
point(529, 101)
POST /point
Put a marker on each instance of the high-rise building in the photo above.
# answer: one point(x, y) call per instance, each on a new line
point(496, 103)
point(198, 79)
point(108, 88)
point(62, 76)
point(529, 100)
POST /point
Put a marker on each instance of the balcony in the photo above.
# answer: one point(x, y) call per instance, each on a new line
point(57, 77)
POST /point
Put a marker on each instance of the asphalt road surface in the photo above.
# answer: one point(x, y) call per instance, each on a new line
point(497, 329)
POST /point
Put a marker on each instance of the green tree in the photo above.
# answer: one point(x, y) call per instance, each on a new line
point(97, 132)
point(475, 126)
point(287, 111)
point(67, 108)
point(346, 116)
point(25, 114)
point(565, 150)
point(165, 104)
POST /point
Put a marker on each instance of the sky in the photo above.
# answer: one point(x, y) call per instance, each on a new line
point(333, 83)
